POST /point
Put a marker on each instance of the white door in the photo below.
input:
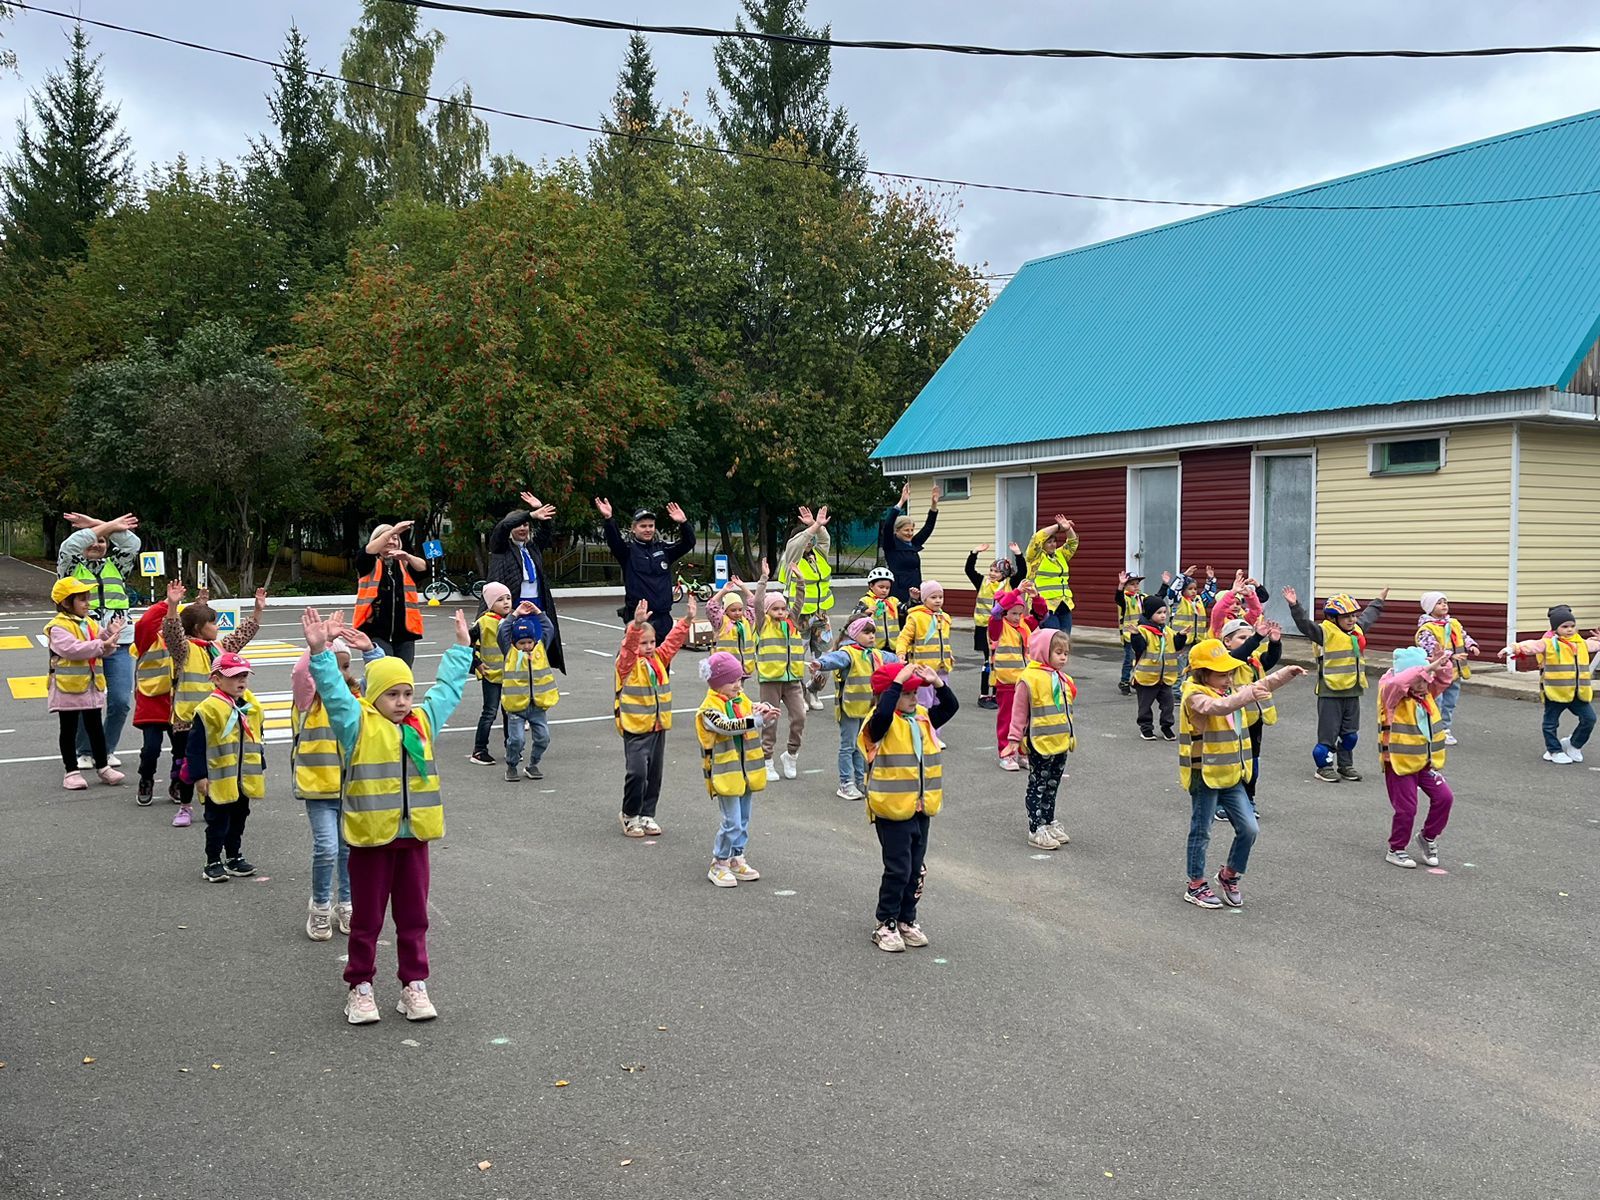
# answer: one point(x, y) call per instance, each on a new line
point(1153, 527)
point(1283, 521)
point(1017, 520)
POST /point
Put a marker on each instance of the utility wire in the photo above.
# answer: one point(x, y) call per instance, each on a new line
point(900, 176)
point(793, 39)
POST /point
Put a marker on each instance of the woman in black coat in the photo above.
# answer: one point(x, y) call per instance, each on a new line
point(902, 543)
point(516, 559)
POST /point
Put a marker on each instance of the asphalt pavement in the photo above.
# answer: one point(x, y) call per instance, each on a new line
point(612, 1025)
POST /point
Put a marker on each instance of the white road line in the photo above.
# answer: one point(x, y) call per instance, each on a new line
point(599, 653)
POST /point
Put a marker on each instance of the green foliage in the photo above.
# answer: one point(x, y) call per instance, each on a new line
point(68, 172)
point(634, 111)
point(778, 91)
point(8, 58)
point(404, 147)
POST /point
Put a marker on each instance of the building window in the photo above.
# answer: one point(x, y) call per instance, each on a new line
point(1407, 456)
point(955, 487)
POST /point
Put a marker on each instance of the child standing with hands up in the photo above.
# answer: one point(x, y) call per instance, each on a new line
point(643, 713)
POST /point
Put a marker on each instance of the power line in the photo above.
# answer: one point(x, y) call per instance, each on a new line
point(898, 176)
point(699, 31)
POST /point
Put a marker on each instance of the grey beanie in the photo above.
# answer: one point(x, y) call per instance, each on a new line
point(1560, 615)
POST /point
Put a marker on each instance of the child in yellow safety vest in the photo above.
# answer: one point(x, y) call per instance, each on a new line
point(1042, 727)
point(1129, 600)
point(1007, 655)
point(488, 665)
point(528, 688)
point(77, 688)
point(729, 614)
point(1156, 666)
point(905, 787)
point(1438, 631)
point(1214, 761)
point(643, 713)
point(1411, 748)
point(989, 586)
point(227, 765)
point(1566, 682)
point(1339, 641)
point(1259, 647)
point(728, 726)
point(781, 668)
point(880, 605)
point(925, 637)
point(853, 664)
point(1188, 601)
point(393, 806)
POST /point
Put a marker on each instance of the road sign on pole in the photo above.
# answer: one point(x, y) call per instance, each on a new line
point(152, 563)
point(721, 562)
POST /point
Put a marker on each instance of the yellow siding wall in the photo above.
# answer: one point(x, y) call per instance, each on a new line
point(1558, 541)
point(962, 525)
point(1448, 530)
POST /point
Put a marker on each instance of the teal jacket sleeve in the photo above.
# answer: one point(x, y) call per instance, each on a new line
point(344, 710)
point(445, 694)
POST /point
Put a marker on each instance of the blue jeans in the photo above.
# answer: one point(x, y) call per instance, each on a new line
point(1205, 801)
point(1447, 702)
point(852, 763)
point(734, 832)
point(118, 667)
point(1127, 661)
point(1059, 618)
point(532, 725)
point(328, 849)
point(491, 709)
point(1553, 709)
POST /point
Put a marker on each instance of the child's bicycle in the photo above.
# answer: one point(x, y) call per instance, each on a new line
point(700, 591)
point(441, 587)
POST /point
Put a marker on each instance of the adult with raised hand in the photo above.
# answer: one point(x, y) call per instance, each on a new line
point(387, 608)
point(646, 561)
point(516, 559)
point(804, 568)
point(901, 543)
point(1049, 558)
point(104, 555)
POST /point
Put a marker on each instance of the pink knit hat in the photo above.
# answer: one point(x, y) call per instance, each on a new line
point(493, 592)
point(856, 628)
point(721, 669)
point(774, 600)
point(931, 587)
point(1008, 600)
point(1039, 645)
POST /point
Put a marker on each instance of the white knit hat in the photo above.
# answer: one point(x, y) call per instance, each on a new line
point(1430, 601)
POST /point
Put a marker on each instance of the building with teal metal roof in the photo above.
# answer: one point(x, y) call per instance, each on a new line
point(1413, 343)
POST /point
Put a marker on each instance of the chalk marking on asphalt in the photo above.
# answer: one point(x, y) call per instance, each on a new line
point(436, 911)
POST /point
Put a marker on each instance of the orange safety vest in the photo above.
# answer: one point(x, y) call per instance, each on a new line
point(367, 594)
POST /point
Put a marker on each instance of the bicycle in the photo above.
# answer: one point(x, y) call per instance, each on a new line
point(441, 587)
point(700, 591)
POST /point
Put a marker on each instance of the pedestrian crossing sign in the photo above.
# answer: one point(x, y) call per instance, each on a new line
point(227, 620)
point(152, 563)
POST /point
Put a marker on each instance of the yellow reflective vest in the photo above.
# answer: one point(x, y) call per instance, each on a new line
point(1050, 576)
point(1050, 696)
point(1257, 712)
point(75, 676)
point(152, 674)
point(780, 652)
point(738, 638)
point(926, 639)
point(900, 782)
point(1564, 672)
point(1452, 637)
point(1132, 609)
point(315, 756)
point(194, 683)
point(644, 699)
point(236, 763)
point(885, 614)
point(1341, 660)
point(1215, 746)
point(983, 606)
point(491, 662)
point(1009, 655)
point(1411, 737)
point(816, 587)
point(383, 785)
point(527, 676)
point(1159, 662)
point(852, 693)
point(733, 765)
point(1189, 618)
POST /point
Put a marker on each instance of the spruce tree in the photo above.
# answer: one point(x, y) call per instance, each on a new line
point(634, 112)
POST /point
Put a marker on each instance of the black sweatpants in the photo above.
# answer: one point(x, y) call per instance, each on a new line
point(1338, 721)
point(225, 828)
point(644, 755)
point(1255, 761)
point(905, 846)
point(1149, 694)
point(1044, 781)
point(150, 755)
point(92, 726)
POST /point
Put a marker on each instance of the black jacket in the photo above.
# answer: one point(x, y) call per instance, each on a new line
point(505, 566)
point(647, 567)
point(904, 559)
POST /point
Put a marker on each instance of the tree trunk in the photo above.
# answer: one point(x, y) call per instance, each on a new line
point(727, 544)
point(296, 551)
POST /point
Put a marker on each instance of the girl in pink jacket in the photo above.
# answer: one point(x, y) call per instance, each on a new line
point(77, 690)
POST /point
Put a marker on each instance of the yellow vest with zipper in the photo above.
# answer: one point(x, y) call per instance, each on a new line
point(1215, 746)
point(643, 700)
point(1132, 610)
point(194, 684)
point(75, 676)
point(899, 783)
point(780, 652)
point(315, 756)
point(738, 638)
point(1452, 637)
point(236, 763)
point(1050, 577)
point(1189, 618)
point(926, 639)
point(1341, 661)
point(1404, 747)
point(1050, 726)
point(491, 662)
point(816, 587)
point(733, 765)
point(527, 676)
point(983, 606)
point(382, 784)
point(1159, 662)
point(1262, 712)
point(1564, 674)
point(852, 693)
point(1010, 654)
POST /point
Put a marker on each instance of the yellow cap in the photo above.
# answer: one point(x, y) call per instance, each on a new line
point(68, 587)
point(1210, 655)
point(385, 673)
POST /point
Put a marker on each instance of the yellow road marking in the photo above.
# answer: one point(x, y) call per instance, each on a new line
point(16, 643)
point(28, 687)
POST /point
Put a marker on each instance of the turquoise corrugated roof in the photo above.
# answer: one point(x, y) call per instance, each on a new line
point(1260, 310)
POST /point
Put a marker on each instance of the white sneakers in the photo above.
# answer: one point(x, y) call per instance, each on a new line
point(1560, 757)
point(1572, 751)
point(813, 702)
point(772, 771)
point(849, 791)
point(414, 1003)
point(721, 875)
point(1400, 859)
point(1009, 763)
point(1042, 839)
point(341, 916)
point(1450, 739)
point(648, 824)
point(319, 922)
point(743, 871)
point(789, 764)
point(361, 1006)
point(630, 826)
point(1058, 831)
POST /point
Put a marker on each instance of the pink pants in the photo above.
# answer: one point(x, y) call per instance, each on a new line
point(1403, 798)
point(381, 876)
point(1006, 695)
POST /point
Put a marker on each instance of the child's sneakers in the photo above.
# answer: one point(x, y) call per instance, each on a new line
point(789, 764)
point(1125, 688)
point(341, 917)
point(887, 937)
point(414, 1003)
point(813, 702)
point(743, 871)
point(988, 702)
point(1400, 859)
point(630, 826)
point(1428, 848)
point(481, 758)
point(1350, 773)
point(110, 776)
point(1008, 762)
point(911, 934)
point(1232, 896)
point(1327, 774)
point(1058, 831)
point(1200, 894)
point(1168, 736)
point(1040, 839)
point(183, 817)
point(74, 781)
point(361, 1006)
point(849, 791)
point(1560, 757)
point(319, 922)
point(512, 774)
point(722, 876)
point(648, 824)
point(531, 771)
point(215, 872)
point(772, 771)
point(240, 866)
point(1450, 739)
point(147, 793)
point(1570, 750)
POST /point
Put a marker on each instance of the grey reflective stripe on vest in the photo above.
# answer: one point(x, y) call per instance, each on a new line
point(930, 777)
point(69, 668)
point(317, 758)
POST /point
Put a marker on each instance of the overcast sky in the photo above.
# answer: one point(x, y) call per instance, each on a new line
point(1203, 131)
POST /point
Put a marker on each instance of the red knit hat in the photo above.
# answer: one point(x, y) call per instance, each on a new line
point(884, 676)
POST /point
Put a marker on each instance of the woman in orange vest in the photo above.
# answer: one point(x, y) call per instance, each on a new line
point(387, 609)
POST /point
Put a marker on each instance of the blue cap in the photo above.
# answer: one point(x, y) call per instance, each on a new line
point(524, 629)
